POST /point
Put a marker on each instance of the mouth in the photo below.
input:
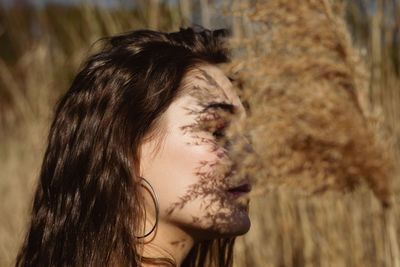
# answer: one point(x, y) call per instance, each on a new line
point(242, 188)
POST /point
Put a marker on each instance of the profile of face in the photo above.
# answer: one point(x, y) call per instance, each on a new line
point(188, 165)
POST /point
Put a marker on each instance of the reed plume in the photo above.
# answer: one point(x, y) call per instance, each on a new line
point(306, 86)
point(316, 135)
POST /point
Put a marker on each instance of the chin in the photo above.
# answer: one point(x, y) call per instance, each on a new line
point(238, 225)
point(223, 226)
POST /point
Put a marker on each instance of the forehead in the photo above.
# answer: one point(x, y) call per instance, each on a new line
point(208, 82)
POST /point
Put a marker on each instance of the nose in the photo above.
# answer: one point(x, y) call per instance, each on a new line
point(248, 147)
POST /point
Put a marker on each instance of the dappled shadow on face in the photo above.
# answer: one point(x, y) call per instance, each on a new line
point(221, 188)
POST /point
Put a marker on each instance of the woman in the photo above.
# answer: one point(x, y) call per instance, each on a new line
point(136, 171)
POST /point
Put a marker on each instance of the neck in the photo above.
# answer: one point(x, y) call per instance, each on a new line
point(168, 242)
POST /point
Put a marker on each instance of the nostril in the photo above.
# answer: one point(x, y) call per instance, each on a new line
point(249, 148)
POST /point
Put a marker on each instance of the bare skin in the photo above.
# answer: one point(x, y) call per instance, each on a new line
point(196, 200)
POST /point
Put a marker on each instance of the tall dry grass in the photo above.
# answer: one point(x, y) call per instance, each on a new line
point(309, 96)
point(320, 131)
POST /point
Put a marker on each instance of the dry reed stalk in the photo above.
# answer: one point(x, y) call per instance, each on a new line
point(336, 230)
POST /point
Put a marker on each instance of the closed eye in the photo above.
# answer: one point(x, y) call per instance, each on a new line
point(222, 106)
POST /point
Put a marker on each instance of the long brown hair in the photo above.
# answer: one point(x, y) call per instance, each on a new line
point(87, 204)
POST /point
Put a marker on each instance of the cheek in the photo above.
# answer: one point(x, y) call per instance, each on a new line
point(180, 164)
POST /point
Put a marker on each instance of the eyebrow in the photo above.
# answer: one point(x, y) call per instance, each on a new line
point(221, 105)
point(210, 80)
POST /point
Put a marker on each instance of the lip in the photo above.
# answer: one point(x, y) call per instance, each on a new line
point(240, 188)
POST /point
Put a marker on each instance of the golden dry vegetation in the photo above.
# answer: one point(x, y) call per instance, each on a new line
point(328, 185)
point(323, 117)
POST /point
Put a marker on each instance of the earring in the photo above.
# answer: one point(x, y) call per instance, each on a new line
point(157, 209)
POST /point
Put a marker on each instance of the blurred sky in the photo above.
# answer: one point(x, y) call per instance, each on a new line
point(368, 5)
point(105, 3)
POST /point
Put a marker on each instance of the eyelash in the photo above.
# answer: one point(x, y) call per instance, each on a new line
point(219, 131)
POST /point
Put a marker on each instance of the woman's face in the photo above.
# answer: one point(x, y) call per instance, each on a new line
point(188, 165)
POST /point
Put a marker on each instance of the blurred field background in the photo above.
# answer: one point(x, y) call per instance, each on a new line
point(42, 45)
